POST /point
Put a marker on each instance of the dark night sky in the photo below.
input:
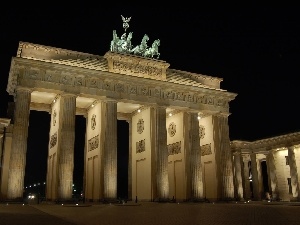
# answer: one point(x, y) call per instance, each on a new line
point(256, 50)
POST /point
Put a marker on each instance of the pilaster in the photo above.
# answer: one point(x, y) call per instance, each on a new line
point(19, 144)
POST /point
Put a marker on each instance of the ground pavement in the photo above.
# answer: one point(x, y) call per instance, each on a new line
point(151, 213)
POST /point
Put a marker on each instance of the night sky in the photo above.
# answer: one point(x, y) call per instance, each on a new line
point(256, 50)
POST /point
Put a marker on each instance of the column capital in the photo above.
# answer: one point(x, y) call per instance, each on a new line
point(23, 89)
point(223, 114)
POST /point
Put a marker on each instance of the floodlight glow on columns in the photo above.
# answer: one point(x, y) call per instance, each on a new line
point(139, 110)
point(199, 117)
point(170, 114)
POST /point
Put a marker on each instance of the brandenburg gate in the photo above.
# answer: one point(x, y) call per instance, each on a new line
point(178, 123)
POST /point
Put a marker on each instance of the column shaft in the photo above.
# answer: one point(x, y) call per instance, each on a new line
point(255, 183)
point(161, 153)
point(109, 137)
point(224, 156)
point(66, 146)
point(272, 175)
point(294, 173)
point(195, 158)
point(19, 145)
point(238, 175)
point(247, 190)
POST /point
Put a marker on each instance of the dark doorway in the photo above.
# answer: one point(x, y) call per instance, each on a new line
point(37, 153)
point(123, 153)
point(264, 170)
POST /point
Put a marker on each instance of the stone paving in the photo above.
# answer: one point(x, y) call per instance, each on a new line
point(150, 213)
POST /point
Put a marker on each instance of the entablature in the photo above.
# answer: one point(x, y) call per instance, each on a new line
point(31, 74)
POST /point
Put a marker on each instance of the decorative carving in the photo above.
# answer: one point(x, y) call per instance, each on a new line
point(123, 44)
point(126, 21)
point(201, 131)
point(93, 122)
point(54, 117)
point(53, 140)
point(119, 87)
point(140, 126)
point(136, 66)
point(206, 149)
point(140, 146)
point(174, 148)
point(172, 129)
point(93, 143)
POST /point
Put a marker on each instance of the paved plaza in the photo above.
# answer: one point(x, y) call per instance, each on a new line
point(150, 213)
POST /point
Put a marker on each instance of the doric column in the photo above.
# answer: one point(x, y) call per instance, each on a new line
point(255, 183)
point(195, 159)
point(159, 133)
point(294, 173)
point(247, 189)
point(109, 139)
point(272, 175)
point(6, 137)
point(238, 175)
point(224, 156)
point(66, 138)
point(130, 161)
point(19, 144)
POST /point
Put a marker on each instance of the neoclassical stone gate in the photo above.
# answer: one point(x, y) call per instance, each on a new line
point(178, 121)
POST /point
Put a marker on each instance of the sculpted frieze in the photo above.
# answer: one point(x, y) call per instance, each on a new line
point(52, 76)
point(156, 92)
point(119, 87)
point(53, 140)
point(140, 146)
point(33, 74)
point(206, 149)
point(79, 81)
point(169, 94)
point(132, 89)
point(190, 98)
point(144, 90)
point(174, 148)
point(66, 79)
point(136, 69)
point(93, 143)
point(180, 96)
point(108, 85)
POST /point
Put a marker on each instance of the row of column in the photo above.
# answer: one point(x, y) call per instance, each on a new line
point(242, 180)
point(65, 161)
